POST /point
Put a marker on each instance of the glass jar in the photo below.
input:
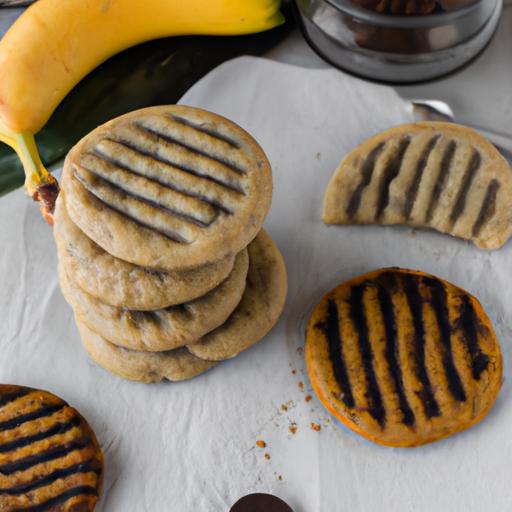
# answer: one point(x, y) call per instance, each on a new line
point(398, 48)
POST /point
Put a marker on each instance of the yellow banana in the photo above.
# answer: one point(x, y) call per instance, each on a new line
point(55, 43)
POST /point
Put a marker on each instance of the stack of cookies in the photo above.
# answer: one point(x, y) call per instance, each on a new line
point(161, 252)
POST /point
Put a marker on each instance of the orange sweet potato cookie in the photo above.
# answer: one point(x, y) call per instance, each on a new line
point(403, 358)
point(49, 456)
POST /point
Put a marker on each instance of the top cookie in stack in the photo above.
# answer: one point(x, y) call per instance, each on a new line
point(168, 187)
point(156, 211)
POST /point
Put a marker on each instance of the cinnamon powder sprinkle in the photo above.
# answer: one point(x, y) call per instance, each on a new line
point(261, 444)
point(316, 427)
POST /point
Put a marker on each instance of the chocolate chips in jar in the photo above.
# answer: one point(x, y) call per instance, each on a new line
point(412, 7)
point(398, 7)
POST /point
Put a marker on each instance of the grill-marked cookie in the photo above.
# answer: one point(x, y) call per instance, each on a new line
point(168, 187)
point(403, 358)
point(122, 284)
point(260, 307)
point(438, 175)
point(174, 365)
point(49, 456)
point(164, 329)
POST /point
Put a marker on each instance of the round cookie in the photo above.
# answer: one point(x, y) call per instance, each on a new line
point(168, 187)
point(174, 365)
point(164, 329)
point(403, 358)
point(49, 456)
point(122, 284)
point(259, 310)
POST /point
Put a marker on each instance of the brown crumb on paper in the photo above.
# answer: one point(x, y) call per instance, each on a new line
point(267, 456)
point(301, 385)
point(300, 350)
point(280, 478)
point(308, 398)
point(316, 427)
point(294, 372)
point(293, 428)
point(287, 405)
point(261, 444)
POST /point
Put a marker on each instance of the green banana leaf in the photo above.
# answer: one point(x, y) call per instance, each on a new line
point(154, 73)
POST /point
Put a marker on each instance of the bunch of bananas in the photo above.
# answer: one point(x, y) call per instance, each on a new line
point(54, 44)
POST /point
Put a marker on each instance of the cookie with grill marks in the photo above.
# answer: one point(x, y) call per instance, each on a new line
point(259, 310)
point(403, 358)
point(438, 175)
point(49, 457)
point(174, 365)
point(163, 329)
point(122, 284)
point(168, 187)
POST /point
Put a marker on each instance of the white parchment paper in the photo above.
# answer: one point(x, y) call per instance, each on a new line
point(191, 446)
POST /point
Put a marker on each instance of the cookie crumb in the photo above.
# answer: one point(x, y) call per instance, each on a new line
point(267, 456)
point(294, 371)
point(293, 428)
point(280, 478)
point(286, 406)
point(308, 398)
point(316, 427)
point(301, 385)
point(261, 444)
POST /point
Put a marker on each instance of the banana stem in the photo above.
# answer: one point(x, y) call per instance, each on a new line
point(39, 183)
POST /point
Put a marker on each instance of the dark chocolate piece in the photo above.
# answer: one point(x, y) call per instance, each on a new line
point(260, 503)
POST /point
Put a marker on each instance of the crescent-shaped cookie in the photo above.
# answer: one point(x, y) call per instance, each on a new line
point(438, 175)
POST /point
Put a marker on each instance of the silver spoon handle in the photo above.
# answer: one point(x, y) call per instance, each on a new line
point(431, 110)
